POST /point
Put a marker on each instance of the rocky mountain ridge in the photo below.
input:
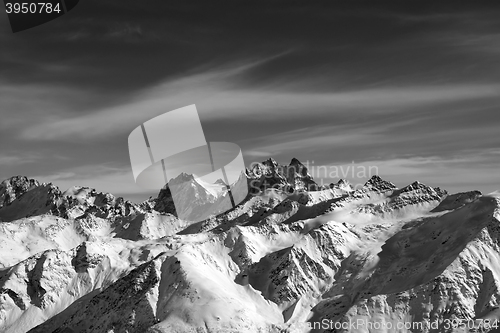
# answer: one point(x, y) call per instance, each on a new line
point(287, 259)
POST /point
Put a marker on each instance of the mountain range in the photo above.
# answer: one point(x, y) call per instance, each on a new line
point(293, 256)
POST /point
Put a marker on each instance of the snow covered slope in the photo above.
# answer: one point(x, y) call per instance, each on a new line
point(292, 257)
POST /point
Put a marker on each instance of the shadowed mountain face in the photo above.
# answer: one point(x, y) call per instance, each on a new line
point(291, 257)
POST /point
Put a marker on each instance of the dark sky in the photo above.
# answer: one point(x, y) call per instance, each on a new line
point(409, 88)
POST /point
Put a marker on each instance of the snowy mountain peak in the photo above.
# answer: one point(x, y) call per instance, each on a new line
point(378, 183)
point(14, 187)
point(343, 184)
point(182, 177)
point(420, 189)
point(270, 162)
point(270, 174)
point(295, 161)
point(416, 185)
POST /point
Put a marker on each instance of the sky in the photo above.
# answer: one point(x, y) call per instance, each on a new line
point(409, 90)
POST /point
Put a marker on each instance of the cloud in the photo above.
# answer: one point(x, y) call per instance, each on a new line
point(23, 105)
point(322, 139)
point(257, 153)
point(121, 118)
point(125, 30)
point(12, 160)
point(216, 99)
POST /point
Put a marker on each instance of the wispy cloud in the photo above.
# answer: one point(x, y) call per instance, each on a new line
point(320, 138)
point(216, 100)
point(13, 160)
point(125, 30)
point(257, 153)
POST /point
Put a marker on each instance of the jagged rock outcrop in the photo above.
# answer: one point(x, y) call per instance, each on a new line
point(375, 183)
point(21, 197)
point(24, 200)
point(289, 178)
point(13, 188)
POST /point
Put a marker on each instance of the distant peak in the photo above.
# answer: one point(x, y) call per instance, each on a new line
point(181, 178)
point(343, 182)
point(14, 187)
point(295, 161)
point(416, 184)
point(374, 180)
point(379, 183)
point(19, 180)
point(270, 161)
point(442, 192)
